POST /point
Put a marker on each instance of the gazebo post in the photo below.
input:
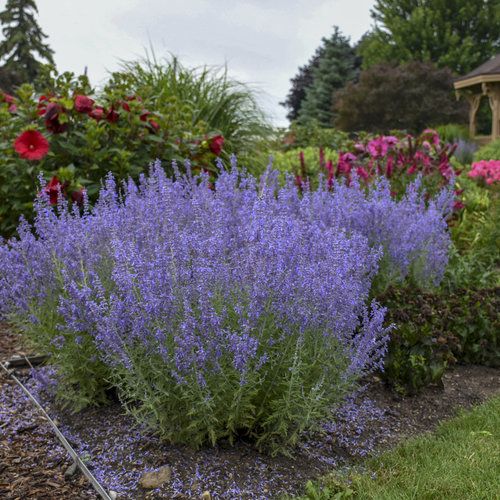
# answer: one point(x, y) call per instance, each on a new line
point(474, 100)
point(492, 90)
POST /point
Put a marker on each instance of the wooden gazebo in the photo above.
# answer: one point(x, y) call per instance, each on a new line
point(484, 80)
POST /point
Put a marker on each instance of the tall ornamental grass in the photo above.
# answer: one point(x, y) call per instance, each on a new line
point(239, 309)
point(212, 99)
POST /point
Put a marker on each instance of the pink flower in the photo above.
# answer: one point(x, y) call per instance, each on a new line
point(378, 147)
point(391, 140)
point(362, 173)
point(433, 136)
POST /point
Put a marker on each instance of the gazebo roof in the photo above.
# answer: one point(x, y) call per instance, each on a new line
point(487, 72)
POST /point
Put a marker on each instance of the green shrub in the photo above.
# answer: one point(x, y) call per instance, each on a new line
point(438, 328)
point(312, 134)
point(490, 151)
point(289, 162)
point(452, 132)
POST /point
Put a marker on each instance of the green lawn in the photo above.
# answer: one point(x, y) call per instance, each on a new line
point(460, 460)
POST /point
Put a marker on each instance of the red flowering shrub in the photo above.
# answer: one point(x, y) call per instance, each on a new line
point(76, 137)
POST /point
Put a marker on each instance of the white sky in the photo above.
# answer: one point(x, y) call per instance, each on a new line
point(262, 42)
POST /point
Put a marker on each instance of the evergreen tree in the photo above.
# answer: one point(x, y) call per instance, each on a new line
point(337, 65)
point(23, 39)
point(459, 34)
point(9, 80)
point(300, 83)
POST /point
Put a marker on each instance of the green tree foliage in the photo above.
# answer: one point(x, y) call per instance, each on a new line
point(23, 40)
point(337, 66)
point(412, 97)
point(332, 65)
point(459, 34)
point(9, 79)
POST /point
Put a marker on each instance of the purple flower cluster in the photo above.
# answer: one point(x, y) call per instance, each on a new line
point(220, 311)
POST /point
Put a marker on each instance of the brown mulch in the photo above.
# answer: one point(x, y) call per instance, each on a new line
point(464, 386)
point(32, 463)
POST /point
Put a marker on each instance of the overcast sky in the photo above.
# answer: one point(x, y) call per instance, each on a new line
point(262, 42)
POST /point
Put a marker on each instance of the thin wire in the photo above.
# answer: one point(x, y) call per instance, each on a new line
point(104, 494)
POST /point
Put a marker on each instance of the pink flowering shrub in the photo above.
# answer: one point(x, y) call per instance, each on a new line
point(399, 158)
point(488, 170)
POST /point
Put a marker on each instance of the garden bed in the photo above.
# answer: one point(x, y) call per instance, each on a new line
point(33, 463)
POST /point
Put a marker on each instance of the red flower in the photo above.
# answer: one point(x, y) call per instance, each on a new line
point(31, 145)
point(8, 99)
point(77, 196)
point(52, 112)
point(144, 115)
point(12, 108)
point(83, 104)
point(125, 106)
point(154, 125)
point(216, 144)
point(97, 113)
point(112, 116)
point(53, 188)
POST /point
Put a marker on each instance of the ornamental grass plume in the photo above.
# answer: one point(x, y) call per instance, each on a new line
point(218, 312)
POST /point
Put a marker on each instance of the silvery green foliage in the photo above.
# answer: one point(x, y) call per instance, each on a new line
point(239, 309)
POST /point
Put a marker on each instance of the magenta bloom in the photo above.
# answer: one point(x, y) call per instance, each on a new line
point(378, 147)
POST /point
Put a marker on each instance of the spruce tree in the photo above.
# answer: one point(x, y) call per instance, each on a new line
point(23, 40)
point(337, 65)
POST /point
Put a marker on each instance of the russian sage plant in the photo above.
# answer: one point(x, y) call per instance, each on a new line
point(234, 310)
